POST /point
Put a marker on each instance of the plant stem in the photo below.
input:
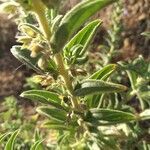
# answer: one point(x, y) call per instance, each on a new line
point(131, 76)
point(39, 9)
point(64, 73)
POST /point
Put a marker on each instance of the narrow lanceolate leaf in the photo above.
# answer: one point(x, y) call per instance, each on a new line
point(57, 125)
point(37, 145)
point(43, 96)
point(84, 36)
point(145, 115)
point(74, 19)
point(104, 73)
point(11, 141)
point(3, 136)
point(23, 55)
point(53, 113)
point(89, 87)
point(110, 116)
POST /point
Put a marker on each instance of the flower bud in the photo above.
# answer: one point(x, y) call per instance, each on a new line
point(37, 78)
point(35, 49)
point(28, 31)
point(77, 72)
point(9, 7)
point(43, 80)
point(24, 39)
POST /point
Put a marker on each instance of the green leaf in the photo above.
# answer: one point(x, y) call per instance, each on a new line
point(56, 22)
point(3, 136)
point(104, 73)
point(84, 36)
point(37, 141)
point(145, 95)
point(23, 55)
point(110, 116)
point(62, 138)
point(89, 87)
point(145, 115)
point(11, 141)
point(37, 145)
point(57, 125)
point(53, 113)
point(43, 96)
point(74, 19)
point(30, 30)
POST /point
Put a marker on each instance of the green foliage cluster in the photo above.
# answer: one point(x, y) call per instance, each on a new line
point(88, 111)
point(13, 117)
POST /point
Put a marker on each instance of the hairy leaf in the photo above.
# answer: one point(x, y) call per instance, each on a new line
point(89, 87)
point(75, 18)
point(110, 116)
point(23, 55)
point(43, 96)
point(53, 124)
point(104, 73)
point(53, 113)
point(84, 36)
point(11, 141)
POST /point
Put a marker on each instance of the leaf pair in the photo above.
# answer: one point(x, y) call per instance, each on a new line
point(11, 141)
point(78, 45)
point(102, 74)
point(74, 19)
point(57, 112)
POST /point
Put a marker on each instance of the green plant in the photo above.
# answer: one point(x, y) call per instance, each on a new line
point(9, 110)
point(12, 117)
point(110, 49)
point(80, 107)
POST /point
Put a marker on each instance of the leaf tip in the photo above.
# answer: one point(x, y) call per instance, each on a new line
point(22, 94)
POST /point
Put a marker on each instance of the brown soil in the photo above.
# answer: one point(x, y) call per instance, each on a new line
point(11, 78)
point(136, 19)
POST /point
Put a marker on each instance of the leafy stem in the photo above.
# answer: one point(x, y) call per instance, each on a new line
point(64, 73)
point(39, 9)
